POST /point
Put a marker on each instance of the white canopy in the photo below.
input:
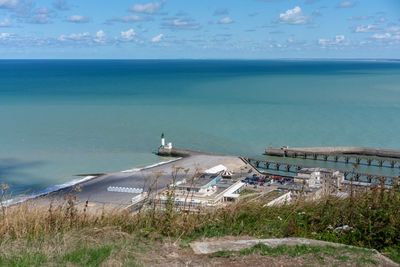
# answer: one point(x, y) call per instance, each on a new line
point(226, 173)
point(216, 169)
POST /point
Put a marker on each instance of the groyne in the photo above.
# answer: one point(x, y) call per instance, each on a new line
point(181, 153)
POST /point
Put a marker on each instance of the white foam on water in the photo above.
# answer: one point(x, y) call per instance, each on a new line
point(150, 166)
point(54, 188)
point(46, 191)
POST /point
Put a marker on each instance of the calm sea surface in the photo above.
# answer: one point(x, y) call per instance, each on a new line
point(61, 118)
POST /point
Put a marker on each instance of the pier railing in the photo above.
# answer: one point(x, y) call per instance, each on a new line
point(357, 155)
point(353, 175)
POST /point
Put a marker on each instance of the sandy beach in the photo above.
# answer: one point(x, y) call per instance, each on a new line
point(154, 178)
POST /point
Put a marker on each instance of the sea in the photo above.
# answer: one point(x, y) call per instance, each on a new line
point(62, 118)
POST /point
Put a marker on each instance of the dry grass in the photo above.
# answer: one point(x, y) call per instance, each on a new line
point(66, 233)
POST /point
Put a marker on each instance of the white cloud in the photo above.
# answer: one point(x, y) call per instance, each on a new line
point(338, 40)
point(346, 4)
point(8, 4)
point(381, 36)
point(226, 20)
point(41, 16)
point(390, 35)
point(4, 35)
point(148, 8)
point(157, 38)
point(395, 29)
point(84, 36)
point(129, 19)
point(128, 35)
point(100, 37)
point(181, 24)
point(78, 19)
point(293, 16)
point(366, 28)
point(5, 23)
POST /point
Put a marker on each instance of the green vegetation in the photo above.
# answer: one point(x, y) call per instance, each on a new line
point(71, 234)
point(248, 191)
point(88, 256)
point(393, 253)
point(78, 248)
point(23, 259)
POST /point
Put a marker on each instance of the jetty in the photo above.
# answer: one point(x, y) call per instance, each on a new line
point(358, 155)
point(354, 175)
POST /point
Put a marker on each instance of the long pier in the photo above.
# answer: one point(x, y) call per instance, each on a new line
point(355, 176)
point(358, 155)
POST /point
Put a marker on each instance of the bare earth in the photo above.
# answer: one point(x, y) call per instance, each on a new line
point(171, 254)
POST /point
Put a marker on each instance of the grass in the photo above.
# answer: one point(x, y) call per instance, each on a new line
point(248, 191)
point(23, 259)
point(91, 248)
point(88, 256)
point(393, 253)
point(64, 233)
point(346, 254)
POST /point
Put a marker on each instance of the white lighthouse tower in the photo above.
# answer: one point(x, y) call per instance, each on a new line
point(163, 145)
point(162, 140)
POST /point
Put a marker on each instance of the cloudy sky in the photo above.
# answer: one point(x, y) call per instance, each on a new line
point(200, 29)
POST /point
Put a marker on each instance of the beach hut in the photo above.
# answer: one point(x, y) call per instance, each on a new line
point(226, 174)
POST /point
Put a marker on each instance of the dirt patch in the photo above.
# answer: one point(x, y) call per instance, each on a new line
point(172, 254)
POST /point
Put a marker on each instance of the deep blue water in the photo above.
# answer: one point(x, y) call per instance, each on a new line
point(60, 118)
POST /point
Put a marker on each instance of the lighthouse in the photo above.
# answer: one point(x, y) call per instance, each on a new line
point(162, 140)
point(163, 144)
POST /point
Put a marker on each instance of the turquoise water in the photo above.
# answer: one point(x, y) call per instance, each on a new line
point(61, 118)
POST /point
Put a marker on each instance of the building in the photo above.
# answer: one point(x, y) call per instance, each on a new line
point(206, 191)
point(163, 144)
point(319, 177)
point(309, 177)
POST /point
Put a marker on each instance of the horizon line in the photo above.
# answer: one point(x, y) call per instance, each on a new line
point(203, 59)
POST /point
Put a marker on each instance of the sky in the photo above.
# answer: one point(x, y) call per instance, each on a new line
point(199, 29)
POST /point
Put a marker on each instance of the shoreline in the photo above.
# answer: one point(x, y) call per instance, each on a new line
point(95, 186)
point(59, 187)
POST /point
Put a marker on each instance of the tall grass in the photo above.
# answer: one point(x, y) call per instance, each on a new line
point(372, 217)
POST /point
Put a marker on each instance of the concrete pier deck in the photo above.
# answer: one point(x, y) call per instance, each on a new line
point(358, 155)
point(362, 151)
point(180, 152)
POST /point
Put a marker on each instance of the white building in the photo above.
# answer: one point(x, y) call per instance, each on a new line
point(328, 179)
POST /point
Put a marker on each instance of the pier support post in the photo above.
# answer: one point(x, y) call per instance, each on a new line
point(369, 161)
point(358, 160)
point(277, 166)
point(325, 157)
point(288, 168)
point(346, 159)
point(380, 163)
point(315, 156)
point(392, 163)
point(336, 158)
